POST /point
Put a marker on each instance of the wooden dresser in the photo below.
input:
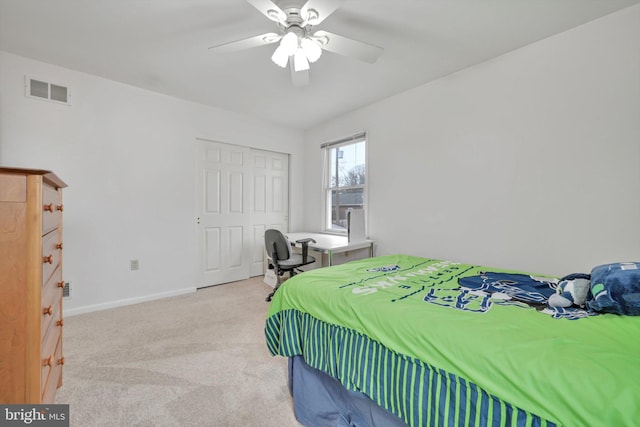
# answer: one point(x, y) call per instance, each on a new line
point(30, 286)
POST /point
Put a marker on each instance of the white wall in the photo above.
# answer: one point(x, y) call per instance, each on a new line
point(128, 156)
point(528, 161)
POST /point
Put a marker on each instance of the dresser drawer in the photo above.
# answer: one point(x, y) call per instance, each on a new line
point(51, 254)
point(51, 323)
point(53, 380)
point(51, 297)
point(48, 352)
point(51, 209)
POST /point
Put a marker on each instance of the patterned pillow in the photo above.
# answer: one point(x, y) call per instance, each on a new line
point(616, 288)
point(572, 289)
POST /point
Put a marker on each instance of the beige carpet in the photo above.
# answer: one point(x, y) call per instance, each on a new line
point(193, 360)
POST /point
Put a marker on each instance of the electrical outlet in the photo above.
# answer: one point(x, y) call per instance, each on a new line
point(135, 264)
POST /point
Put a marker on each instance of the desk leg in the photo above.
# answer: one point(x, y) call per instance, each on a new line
point(371, 251)
point(330, 256)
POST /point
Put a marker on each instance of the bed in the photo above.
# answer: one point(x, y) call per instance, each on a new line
point(428, 343)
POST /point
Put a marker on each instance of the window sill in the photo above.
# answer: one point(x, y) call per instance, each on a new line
point(334, 233)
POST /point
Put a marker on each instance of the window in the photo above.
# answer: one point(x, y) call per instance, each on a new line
point(345, 180)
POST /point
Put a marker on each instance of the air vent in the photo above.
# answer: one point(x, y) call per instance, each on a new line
point(41, 89)
point(66, 291)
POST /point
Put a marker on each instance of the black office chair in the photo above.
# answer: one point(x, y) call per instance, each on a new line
point(282, 259)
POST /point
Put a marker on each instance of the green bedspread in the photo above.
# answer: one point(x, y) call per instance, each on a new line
point(583, 372)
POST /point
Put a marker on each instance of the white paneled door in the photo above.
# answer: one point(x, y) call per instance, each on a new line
point(270, 204)
point(241, 192)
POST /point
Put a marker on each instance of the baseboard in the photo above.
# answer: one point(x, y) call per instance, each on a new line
point(125, 302)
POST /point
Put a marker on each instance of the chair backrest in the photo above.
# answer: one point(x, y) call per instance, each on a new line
point(282, 248)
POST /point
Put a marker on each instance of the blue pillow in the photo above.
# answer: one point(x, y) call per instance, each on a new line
point(616, 288)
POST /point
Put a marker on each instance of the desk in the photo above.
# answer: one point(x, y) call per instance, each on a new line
point(330, 244)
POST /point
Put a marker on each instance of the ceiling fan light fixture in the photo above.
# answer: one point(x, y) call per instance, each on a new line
point(311, 49)
point(298, 43)
point(289, 43)
point(288, 46)
point(280, 57)
point(300, 62)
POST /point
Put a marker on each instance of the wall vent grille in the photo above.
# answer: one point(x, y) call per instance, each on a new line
point(40, 89)
point(66, 291)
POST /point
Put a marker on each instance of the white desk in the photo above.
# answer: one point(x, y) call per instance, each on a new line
point(330, 244)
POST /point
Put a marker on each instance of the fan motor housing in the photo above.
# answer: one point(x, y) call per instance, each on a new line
point(293, 16)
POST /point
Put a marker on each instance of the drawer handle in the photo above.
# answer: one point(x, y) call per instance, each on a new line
point(59, 246)
point(60, 323)
point(48, 208)
point(48, 259)
point(48, 361)
point(61, 361)
point(60, 208)
point(61, 285)
point(48, 310)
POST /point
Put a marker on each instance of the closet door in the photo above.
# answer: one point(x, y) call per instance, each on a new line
point(241, 193)
point(270, 201)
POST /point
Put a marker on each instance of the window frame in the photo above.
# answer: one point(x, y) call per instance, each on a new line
point(328, 189)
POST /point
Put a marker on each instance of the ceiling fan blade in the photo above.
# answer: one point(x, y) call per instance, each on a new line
point(324, 8)
point(348, 47)
point(298, 78)
point(261, 40)
point(270, 10)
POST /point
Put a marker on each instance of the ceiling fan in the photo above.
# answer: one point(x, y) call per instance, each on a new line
point(300, 44)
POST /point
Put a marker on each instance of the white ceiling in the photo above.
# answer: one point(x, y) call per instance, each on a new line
point(161, 45)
